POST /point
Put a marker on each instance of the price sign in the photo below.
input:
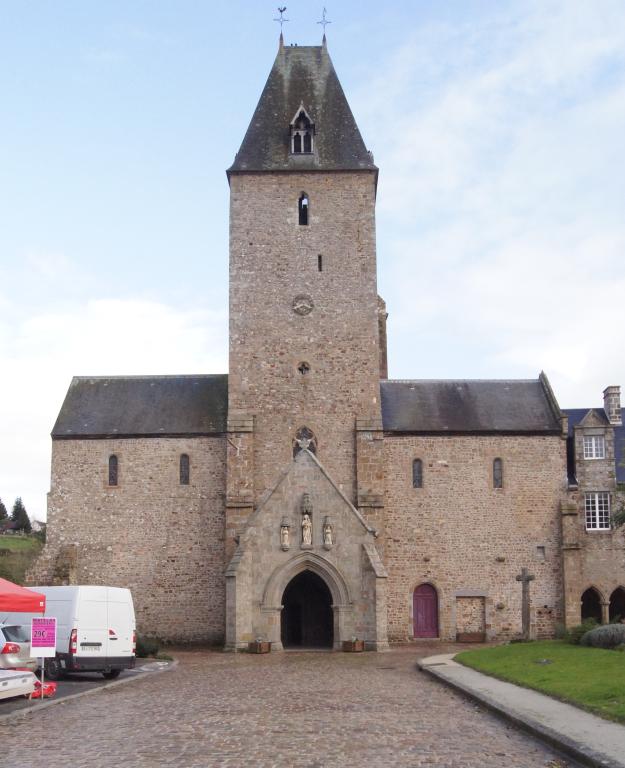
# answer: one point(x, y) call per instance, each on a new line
point(43, 637)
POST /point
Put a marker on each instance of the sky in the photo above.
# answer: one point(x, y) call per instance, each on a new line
point(498, 128)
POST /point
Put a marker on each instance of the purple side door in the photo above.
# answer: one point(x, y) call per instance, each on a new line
point(425, 611)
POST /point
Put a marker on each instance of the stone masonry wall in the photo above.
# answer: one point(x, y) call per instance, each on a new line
point(468, 539)
point(274, 259)
point(163, 540)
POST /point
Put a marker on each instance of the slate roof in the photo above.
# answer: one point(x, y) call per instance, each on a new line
point(302, 75)
point(576, 415)
point(143, 406)
point(468, 407)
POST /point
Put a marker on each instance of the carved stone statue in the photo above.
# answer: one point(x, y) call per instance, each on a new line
point(285, 542)
point(306, 530)
point(327, 533)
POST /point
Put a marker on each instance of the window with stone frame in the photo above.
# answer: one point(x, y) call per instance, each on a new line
point(113, 470)
point(497, 473)
point(302, 132)
point(597, 508)
point(185, 470)
point(304, 437)
point(594, 447)
point(417, 473)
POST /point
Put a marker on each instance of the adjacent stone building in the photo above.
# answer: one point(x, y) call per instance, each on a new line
point(593, 550)
point(305, 498)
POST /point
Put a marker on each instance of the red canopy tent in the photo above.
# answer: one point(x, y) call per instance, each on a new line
point(19, 599)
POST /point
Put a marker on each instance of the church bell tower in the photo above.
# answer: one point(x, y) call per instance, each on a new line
point(304, 367)
point(304, 356)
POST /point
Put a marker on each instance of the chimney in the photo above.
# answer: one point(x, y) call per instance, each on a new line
point(612, 405)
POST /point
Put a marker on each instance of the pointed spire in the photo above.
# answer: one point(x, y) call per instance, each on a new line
point(281, 43)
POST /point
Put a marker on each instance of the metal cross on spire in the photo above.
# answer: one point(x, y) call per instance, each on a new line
point(281, 20)
point(324, 22)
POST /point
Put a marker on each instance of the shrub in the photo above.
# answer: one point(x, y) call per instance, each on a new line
point(561, 633)
point(607, 636)
point(575, 634)
point(147, 646)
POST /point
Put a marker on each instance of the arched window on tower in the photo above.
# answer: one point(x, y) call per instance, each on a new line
point(417, 473)
point(302, 209)
point(113, 470)
point(302, 132)
point(304, 438)
point(184, 469)
point(497, 473)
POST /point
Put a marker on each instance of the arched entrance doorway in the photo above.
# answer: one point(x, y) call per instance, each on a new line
point(617, 604)
point(591, 605)
point(425, 611)
point(307, 619)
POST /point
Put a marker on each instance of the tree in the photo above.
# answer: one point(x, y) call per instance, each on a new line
point(618, 516)
point(20, 516)
point(3, 512)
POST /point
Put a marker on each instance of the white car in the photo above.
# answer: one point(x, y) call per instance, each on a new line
point(15, 648)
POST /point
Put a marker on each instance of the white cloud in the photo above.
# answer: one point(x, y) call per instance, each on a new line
point(502, 195)
point(39, 355)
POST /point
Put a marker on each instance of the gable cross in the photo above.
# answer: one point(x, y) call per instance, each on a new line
point(525, 577)
point(324, 23)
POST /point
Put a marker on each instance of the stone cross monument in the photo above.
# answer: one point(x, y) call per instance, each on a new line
point(525, 577)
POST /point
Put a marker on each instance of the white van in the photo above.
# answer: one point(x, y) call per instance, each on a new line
point(96, 630)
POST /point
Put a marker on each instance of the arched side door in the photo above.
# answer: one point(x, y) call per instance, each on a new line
point(425, 611)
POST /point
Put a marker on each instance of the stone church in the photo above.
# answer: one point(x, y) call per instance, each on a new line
point(304, 497)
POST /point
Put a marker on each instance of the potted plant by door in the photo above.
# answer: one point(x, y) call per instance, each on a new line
point(259, 646)
point(354, 645)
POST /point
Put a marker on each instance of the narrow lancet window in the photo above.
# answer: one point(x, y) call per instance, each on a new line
point(113, 470)
point(184, 469)
point(302, 208)
point(320, 263)
point(497, 473)
point(417, 473)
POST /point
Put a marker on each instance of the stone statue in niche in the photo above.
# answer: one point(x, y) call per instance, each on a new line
point(328, 539)
point(307, 510)
point(285, 542)
point(306, 530)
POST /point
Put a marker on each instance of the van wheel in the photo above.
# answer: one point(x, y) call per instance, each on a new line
point(112, 674)
point(53, 669)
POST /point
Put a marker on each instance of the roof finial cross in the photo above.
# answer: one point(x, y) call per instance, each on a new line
point(324, 22)
point(281, 20)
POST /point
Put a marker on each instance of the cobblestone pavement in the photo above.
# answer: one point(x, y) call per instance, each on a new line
point(306, 710)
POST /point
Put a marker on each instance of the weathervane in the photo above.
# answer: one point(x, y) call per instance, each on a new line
point(281, 20)
point(324, 22)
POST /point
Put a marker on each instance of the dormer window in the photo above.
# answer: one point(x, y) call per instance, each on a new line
point(302, 132)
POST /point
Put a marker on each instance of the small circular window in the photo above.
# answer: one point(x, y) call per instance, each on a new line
point(304, 368)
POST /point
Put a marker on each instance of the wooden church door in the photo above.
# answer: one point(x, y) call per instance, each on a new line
point(425, 611)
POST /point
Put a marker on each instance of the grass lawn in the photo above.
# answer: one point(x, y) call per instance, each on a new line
point(19, 543)
point(17, 553)
point(591, 678)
